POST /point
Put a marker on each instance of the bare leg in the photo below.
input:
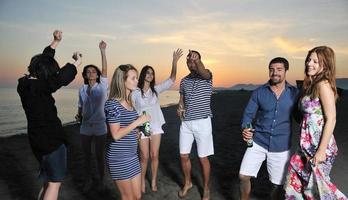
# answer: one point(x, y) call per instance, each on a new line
point(155, 143)
point(205, 164)
point(136, 185)
point(144, 158)
point(245, 187)
point(186, 168)
point(51, 191)
point(125, 188)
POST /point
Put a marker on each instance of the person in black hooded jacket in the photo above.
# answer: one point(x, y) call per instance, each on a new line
point(46, 135)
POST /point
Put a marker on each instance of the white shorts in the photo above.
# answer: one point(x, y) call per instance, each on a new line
point(199, 130)
point(276, 163)
point(154, 131)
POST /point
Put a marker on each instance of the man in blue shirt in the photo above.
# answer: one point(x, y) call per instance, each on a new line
point(270, 108)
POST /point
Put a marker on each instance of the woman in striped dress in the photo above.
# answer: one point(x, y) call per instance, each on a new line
point(122, 120)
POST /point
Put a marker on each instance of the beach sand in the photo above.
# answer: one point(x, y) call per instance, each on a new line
point(18, 167)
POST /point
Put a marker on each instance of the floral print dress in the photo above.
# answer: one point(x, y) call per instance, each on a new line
point(304, 180)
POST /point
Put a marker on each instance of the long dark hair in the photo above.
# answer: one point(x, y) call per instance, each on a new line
point(84, 73)
point(142, 80)
point(42, 67)
point(327, 61)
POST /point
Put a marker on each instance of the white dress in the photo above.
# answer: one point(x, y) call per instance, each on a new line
point(150, 103)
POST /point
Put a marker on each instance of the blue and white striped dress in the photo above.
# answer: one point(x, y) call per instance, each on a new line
point(122, 155)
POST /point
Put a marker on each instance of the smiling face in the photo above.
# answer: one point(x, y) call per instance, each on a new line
point(312, 65)
point(277, 73)
point(149, 75)
point(132, 80)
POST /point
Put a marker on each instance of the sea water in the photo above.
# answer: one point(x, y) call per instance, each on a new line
point(12, 116)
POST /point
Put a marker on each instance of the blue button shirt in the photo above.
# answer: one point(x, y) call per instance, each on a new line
point(271, 116)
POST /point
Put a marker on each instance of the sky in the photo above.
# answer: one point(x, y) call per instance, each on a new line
point(236, 38)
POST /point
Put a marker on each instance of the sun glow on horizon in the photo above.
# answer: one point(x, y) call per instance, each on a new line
point(237, 39)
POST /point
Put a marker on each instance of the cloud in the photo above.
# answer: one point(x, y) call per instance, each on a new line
point(91, 35)
point(159, 39)
point(342, 50)
point(290, 46)
point(220, 38)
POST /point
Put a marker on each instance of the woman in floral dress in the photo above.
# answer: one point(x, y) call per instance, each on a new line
point(308, 173)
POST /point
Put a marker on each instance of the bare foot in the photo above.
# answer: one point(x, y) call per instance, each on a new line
point(153, 186)
point(183, 192)
point(206, 194)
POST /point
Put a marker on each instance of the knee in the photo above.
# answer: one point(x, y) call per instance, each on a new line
point(244, 178)
point(154, 156)
point(144, 157)
point(204, 160)
point(184, 157)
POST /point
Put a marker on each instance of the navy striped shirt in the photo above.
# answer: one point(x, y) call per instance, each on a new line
point(121, 155)
point(197, 94)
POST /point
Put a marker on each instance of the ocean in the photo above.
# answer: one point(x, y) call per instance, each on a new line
point(12, 116)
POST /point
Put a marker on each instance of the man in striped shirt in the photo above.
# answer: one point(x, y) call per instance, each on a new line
point(194, 110)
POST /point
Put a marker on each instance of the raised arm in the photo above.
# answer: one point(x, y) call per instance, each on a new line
point(327, 98)
point(201, 70)
point(65, 75)
point(50, 50)
point(102, 47)
point(176, 56)
point(57, 37)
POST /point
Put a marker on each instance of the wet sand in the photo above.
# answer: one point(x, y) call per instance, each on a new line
point(18, 167)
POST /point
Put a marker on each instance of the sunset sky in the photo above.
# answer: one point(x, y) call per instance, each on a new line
point(237, 38)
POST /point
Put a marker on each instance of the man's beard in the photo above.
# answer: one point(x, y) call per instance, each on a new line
point(275, 80)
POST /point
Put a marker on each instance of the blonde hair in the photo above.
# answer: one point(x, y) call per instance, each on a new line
point(327, 61)
point(118, 87)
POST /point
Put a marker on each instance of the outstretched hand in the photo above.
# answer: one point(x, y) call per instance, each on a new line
point(57, 35)
point(177, 55)
point(102, 45)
